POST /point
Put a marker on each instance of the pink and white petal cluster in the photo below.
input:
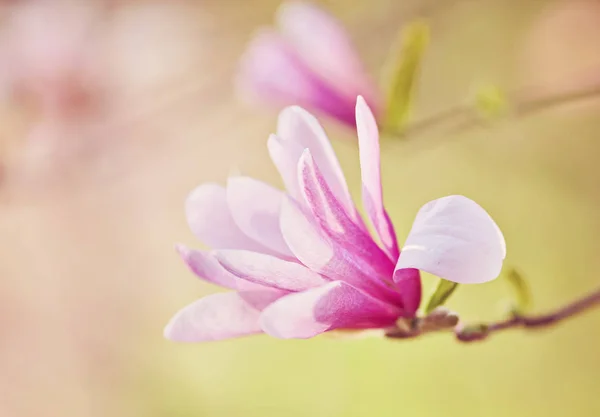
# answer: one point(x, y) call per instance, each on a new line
point(302, 261)
point(307, 60)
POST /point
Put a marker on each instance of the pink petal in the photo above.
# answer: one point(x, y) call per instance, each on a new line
point(331, 306)
point(455, 239)
point(210, 220)
point(254, 206)
point(269, 270)
point(285, 155)
point(329, 258)
point(324, 45)
point(270, 71)
point(308, 244)
point(408, 282)
point(297, 125)
point(368, 142)
point(332, 218)
point(206, 266)
point(220, 316)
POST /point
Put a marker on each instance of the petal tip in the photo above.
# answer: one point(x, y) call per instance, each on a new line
point(455, 238)
point(234, 178)
point(295, 110)
point(306, 154)
point(198, 195)
point(305, 165)
point(291, 9)
point(292, 111)
point(183, 251)
point(168, 332)
point(180, 247)
point(172, 331)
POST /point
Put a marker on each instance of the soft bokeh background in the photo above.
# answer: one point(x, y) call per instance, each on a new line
point(91, 203)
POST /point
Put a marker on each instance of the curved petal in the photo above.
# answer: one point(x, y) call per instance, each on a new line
point(332, 306)
point(210, 220)
point(328, 258)
point(269, 270)
point(220, 316)
point(285, 155)
point(455, 239)
point(254, 207)
point(206, 267)
point(372, 194)
point(409, 286)
point(271, 71)
point(297, 125)
point(307, 243)
point(333, 219)
point(324, 45)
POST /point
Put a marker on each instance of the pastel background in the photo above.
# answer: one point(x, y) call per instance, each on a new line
point(91, 205)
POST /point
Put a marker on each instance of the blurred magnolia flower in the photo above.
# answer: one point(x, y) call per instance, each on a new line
point(75, 78)
point(51, 73)
point(302, 262)
point(308, 60)
point(51, 56)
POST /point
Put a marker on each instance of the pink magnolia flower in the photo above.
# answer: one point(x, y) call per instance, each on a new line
point(309, 61)
point(49, 52)
point(302, 262)
point(51, 74)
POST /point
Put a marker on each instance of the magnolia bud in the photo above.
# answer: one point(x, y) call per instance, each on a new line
point(472, 332)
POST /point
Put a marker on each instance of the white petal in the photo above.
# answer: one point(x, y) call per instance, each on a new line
point(268, 270)
point(255, 207)
point(297, 125)
point(456, 239)
point(370, 165)
point(210, 220)
point(220, 316)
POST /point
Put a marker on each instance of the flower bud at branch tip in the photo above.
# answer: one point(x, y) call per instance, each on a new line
point(472, 332)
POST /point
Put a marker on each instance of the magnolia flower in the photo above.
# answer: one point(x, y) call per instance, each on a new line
point(51, 77)
point(303, 262)
point(310, 61)
point(50, 54)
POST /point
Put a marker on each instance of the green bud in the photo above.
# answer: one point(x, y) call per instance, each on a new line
point(491, 102)
point(404, 71)
point(442, 292)
point(521, 293)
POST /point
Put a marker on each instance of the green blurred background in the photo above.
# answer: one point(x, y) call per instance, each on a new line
point(88, 272)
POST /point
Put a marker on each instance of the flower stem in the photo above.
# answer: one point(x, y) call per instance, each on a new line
point(479, 332)
point(465, 116)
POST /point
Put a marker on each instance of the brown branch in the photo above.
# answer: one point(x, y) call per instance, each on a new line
point(442, 320)
point(482, 331)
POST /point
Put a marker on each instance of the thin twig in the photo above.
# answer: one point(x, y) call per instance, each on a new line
point(465, 116)
point(479, 332)
point(413, 328)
